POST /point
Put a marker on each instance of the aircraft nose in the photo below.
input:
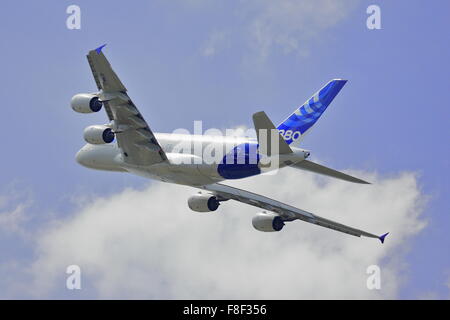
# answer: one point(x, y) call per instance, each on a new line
point(82, 157)
point(79, 156)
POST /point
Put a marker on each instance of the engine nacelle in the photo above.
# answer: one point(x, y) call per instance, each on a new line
point(98, 134)
point(203, 203)
point(85, 103)
point(267, 222)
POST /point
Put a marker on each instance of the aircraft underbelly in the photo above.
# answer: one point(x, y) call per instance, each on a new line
point(187, 174)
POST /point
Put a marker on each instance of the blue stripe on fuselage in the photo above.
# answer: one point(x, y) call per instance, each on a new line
point(241, 162)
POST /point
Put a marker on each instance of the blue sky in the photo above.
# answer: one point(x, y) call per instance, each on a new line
point(220, 62)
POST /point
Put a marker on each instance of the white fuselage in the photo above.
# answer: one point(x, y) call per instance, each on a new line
point(193, 160)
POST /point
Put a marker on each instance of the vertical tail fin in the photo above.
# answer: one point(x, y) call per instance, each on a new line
point(298, 123)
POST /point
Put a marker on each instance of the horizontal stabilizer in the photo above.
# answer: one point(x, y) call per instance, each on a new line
point(317, 168)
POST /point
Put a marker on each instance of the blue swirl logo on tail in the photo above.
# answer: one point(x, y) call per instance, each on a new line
point(299, 122)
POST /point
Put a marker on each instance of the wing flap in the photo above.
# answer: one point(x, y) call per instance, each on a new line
point(141, 148)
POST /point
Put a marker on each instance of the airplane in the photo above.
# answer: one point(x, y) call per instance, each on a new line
point(151, 155)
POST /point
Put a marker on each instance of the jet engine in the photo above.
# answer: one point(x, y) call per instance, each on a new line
point(203, 203)
point(98, 134)
point(86, 103)
point(267, 222)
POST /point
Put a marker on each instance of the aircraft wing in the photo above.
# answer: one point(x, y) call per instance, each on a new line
point(133, 134)
point(286, 212)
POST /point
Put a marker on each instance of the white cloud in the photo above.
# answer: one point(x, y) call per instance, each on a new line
point(148, 244)
point(13, 212)
point(287, 26)
point(291, 24)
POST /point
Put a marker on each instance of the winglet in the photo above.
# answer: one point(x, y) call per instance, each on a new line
point(382, 237)
point(99, 49)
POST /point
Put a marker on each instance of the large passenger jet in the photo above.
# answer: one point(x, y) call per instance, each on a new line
point(159, 156)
